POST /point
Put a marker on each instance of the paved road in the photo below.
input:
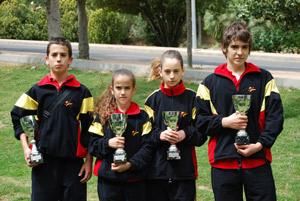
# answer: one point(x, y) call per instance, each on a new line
point(284, 67)
point(144, 55)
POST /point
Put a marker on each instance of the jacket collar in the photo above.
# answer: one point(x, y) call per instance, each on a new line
point(71, 81)
point(222, 70)
point(133, 109)
point(173, 91)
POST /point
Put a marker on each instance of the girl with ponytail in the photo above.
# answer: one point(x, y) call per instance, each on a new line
point(120, 181)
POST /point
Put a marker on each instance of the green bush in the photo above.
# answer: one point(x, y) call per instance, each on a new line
point(108, 27)
point(274, 39)
point(19, 21)
point(69, 19)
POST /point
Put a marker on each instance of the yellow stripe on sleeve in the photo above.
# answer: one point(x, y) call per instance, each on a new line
point(147, 127)
point(203, 93)
point(26, 102)
point(87, 105)
point(194, 113)
point(96, 128)
point(149, 111)
point(270, 87)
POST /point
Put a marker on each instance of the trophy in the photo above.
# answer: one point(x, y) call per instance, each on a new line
point(118, 123)
point(29, 125)
point(171, 119)
point(241, 104)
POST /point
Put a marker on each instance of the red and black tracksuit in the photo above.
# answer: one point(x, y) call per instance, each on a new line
point(265, 122)
point(173, 179)
point(61, 137)
point(128, 185)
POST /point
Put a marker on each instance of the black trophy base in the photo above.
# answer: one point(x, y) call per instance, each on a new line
point(242, 139)
point(120, 158)
point(36, 158)
point(173, 155)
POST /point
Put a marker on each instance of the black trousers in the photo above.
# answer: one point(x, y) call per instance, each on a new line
point(168, 190)
point(258, 184)
point(121, 191)
point(57, 180)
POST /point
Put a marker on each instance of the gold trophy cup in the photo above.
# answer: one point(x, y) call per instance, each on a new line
point(118, 124)
point(171, 120)
point(29, 125)
point(241, 104)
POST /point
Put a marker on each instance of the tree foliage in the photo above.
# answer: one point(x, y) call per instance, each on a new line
point(20, 21)
point(106, 26)
point(283, 13)
point(268, 20)
point(166, 19)
point(69, 19)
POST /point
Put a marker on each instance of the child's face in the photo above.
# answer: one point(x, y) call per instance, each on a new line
point(123, 90)
point(171, 72)
point(58, 59)
point(237, 53)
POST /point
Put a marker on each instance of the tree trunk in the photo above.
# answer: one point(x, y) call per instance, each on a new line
point(83, 40)
point(189, 33)
point(200, 30)
point(53, 19)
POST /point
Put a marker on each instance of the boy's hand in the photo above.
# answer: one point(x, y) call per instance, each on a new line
point(122, 167)
point(26, 149)
point(86, 169)
point(248, 149)
point(116, 142)
point(236, 121)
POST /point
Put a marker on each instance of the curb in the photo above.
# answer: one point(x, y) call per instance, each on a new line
point(283, 79)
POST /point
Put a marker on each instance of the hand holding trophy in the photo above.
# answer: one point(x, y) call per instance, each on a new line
point(171, 120)
point(29, 125)
point(241, 104)
point(118, 124)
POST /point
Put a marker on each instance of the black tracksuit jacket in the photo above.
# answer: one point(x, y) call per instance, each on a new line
point(265, 116)
point(137, 146)
point(65, 132)
point(180, 99)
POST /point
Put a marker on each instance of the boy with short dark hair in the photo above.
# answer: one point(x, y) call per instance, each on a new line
point(62, 106)
point(240, 166)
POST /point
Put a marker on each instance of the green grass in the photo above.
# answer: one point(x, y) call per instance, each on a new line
point(15, 175)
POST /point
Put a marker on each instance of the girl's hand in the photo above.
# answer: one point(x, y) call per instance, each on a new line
point(122, 167)
point(116, 142)
point(170, 136)
point(248, 149)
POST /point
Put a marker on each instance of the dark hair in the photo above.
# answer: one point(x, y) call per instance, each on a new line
point(236, 31)
point(157, 63)
point(60, 41)
point(173, 54)
point(106, 102)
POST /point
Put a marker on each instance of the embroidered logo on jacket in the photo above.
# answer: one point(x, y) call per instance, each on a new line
point(134, 133)
point(183, 114)
point(251, 89)
point(68, 103)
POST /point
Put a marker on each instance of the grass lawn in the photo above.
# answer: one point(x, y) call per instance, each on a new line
point(15, 175)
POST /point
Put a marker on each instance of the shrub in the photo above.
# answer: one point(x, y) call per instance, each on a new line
point(19, 21)
point(108, 27)
point(275, 39)
point(69, 19)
